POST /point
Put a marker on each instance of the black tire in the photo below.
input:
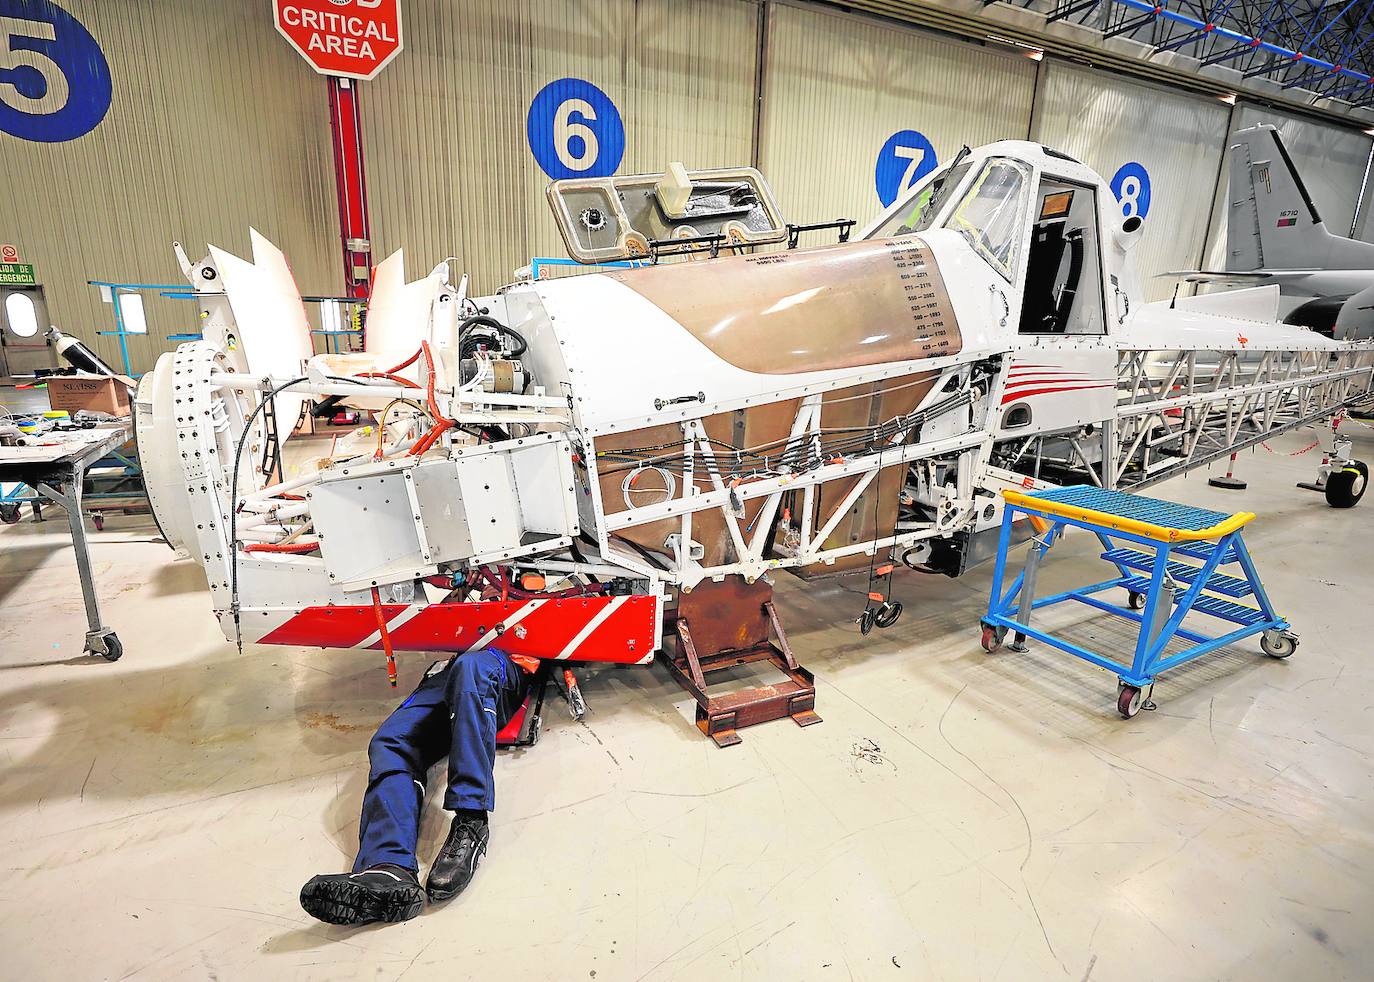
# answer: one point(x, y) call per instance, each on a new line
point(9, 513)
point(888, 614)
point(114, 648)
point(1345, 487)
point(866, 620)
point(1135, 600)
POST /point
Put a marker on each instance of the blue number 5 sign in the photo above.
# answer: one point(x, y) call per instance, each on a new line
point(54, 80)
point(905, 158)
point(575, 130)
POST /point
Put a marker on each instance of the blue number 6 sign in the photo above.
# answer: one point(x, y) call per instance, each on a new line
point(54, 79)
point(575, 130)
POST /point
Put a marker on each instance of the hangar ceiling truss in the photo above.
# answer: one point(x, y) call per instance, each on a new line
point(1323, 49)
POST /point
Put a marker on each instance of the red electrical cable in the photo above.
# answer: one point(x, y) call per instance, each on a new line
point(393, 377)
point(405, 364)
point(442, 422)
point(293, 548)
point(386, 636)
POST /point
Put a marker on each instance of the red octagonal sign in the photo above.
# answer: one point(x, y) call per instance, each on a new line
point(351, 38)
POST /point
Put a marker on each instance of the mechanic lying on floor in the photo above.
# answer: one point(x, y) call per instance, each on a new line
point(457, 710)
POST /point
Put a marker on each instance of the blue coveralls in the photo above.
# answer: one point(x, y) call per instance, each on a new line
point(457, 709)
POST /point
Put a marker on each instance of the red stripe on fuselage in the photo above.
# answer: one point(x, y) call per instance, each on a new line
point(1017, 396)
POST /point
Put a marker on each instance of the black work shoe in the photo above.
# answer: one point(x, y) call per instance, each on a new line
point(381, 893)
point(457, 860)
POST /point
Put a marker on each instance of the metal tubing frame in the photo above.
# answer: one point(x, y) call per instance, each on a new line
point(1148, 658)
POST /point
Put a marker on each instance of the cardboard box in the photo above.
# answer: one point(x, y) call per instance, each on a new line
point(98, 393)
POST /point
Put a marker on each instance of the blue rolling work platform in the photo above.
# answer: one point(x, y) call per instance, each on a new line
point(1168, 559)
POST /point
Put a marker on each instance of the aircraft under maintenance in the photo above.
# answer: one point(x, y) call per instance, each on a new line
point(1275, 237)
point(602, 467)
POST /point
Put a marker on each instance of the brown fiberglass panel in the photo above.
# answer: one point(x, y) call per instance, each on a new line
point(842, 306)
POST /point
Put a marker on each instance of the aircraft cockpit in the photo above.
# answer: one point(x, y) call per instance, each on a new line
point(1063, 293)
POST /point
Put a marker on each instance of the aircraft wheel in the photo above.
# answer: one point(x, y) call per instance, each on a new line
point(1345, 487)
point(1128, 701)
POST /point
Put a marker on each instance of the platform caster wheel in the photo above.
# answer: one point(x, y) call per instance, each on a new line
point(992, 637)
point(1136, 600)
point(887, 614)
point(1128, 701)
point(109, 647)
point(536, 728)
point(1278, 644)
point(98, 520)
point(1345, 487)
point(9, 514)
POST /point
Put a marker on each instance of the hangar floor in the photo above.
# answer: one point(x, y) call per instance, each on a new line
point(957, 815)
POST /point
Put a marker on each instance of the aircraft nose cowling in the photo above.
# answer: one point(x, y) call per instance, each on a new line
point(843, 306)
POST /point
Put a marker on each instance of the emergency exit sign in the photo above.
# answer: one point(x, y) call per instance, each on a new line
point(347, 38)
point(17, 274)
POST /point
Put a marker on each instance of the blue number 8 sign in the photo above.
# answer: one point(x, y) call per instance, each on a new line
point(575, 130)
point(54, 79)
point(1131, 185)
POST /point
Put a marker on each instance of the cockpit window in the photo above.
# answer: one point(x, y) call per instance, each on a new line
point(992, 216)
point(918, 214)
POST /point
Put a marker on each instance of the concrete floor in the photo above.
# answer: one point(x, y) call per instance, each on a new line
point(956, 816)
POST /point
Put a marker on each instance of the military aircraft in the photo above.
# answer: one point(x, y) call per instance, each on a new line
point(1275, 236)
point(602, 466)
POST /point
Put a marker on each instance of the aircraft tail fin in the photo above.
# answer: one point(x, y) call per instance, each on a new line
point(1272, 221)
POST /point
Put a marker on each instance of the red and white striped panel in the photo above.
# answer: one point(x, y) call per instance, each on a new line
point(1024, 381)
point(622, 630)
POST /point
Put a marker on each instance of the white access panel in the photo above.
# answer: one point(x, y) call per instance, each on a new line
point(1106, 122)
point(367, 530)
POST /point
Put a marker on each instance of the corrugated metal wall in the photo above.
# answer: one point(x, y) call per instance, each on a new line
point(215, 123)
point(836, 86)
point(449, 168)
point(1107, 122)
point(1331, 160)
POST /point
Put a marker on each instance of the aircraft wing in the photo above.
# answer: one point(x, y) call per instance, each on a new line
point(1215, 276)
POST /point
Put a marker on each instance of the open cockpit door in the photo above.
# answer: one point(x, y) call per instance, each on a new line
point(1063, 375)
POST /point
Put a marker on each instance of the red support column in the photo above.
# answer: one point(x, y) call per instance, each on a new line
point(354, 228)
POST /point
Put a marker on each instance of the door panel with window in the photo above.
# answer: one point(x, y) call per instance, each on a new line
point(24, 347)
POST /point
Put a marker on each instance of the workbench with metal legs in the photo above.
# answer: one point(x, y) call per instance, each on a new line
point(58, 473)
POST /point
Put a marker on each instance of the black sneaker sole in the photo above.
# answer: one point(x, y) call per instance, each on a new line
point(439, 896)
point(350, 903)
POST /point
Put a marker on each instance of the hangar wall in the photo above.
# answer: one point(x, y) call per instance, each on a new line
point(449, 168)
point(209, 129)
point(836, 87)
point(1102, 121)
point(216, 122)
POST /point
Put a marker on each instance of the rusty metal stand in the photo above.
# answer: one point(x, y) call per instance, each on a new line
point(757, 627)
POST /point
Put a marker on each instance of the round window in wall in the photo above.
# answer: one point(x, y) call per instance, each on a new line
point(21, 315)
